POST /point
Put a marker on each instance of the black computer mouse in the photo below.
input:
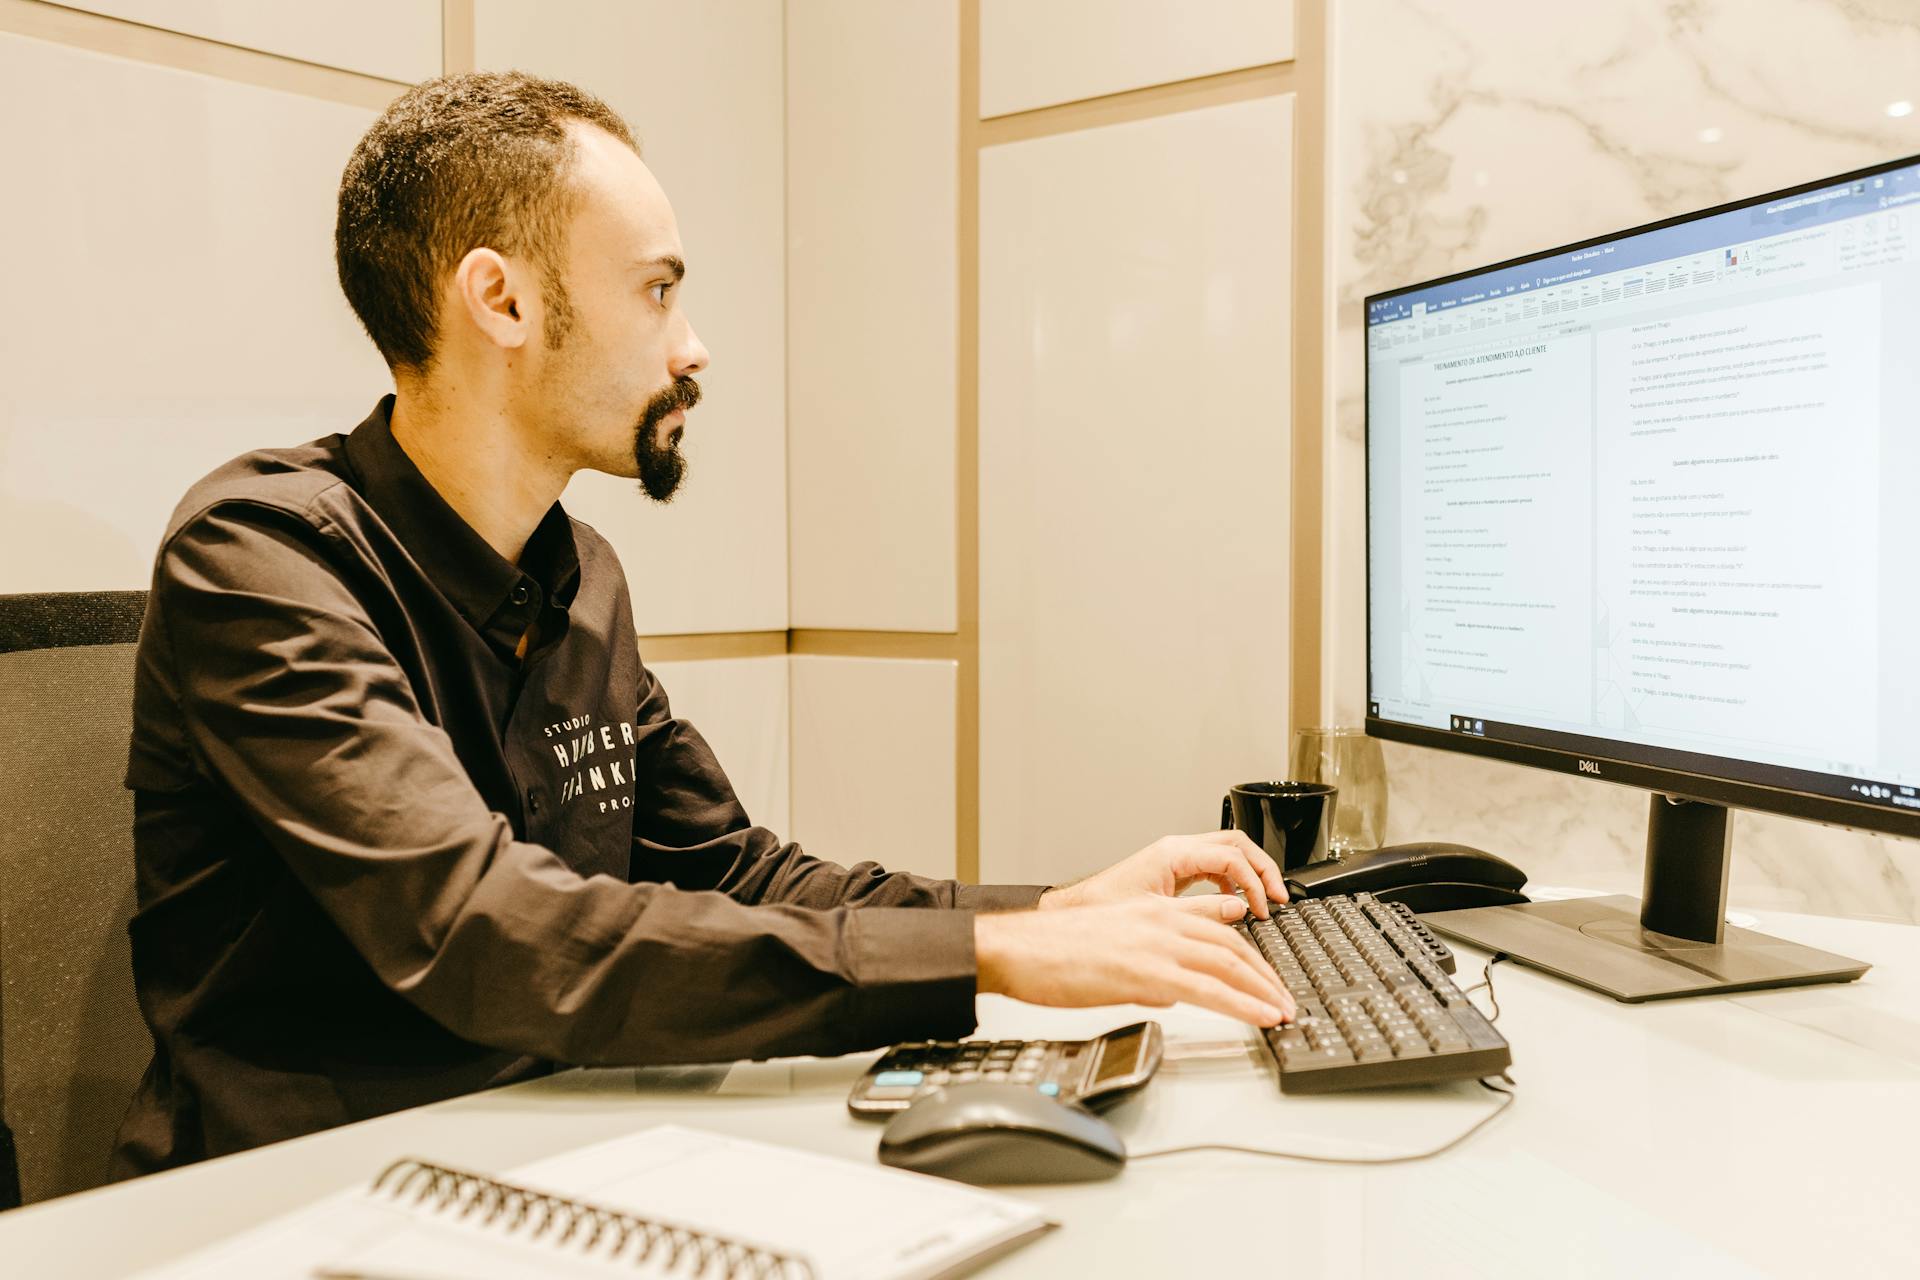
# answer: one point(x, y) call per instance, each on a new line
point(994, 1133)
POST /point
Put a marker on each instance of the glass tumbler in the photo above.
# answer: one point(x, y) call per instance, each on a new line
point(1351, 761)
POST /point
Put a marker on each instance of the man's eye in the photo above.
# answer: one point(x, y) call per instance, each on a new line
point(659, 292)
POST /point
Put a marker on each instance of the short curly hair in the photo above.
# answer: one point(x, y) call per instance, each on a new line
point(464, 161)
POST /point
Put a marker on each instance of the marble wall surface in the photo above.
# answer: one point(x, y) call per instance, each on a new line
point(1464, 134)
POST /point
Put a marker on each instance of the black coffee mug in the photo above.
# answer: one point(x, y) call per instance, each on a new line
point(1290, 820)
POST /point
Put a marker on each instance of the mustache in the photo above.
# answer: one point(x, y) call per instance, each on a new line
point(681, 393)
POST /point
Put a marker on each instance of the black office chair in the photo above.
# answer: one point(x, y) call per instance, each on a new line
point(72, 1043)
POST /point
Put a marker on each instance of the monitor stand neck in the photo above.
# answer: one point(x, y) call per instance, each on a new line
point(1689, 853)
point(1674, 941)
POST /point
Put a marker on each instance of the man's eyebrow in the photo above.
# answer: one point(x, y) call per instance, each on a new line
point(675, 267)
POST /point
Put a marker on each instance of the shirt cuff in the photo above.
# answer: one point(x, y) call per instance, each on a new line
point(998, 897)
point(914, 974)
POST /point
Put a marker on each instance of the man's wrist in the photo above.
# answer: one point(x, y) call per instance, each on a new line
point(1059, 895)
point(988, 963)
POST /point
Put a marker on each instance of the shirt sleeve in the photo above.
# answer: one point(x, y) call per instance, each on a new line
point(691, 831)
point(289, 698)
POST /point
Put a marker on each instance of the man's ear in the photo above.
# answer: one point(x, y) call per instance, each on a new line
point(489, 291)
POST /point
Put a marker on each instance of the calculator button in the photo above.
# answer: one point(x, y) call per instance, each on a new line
point(936, 1077)
point(1051, 1089)
point(964, 1075)
point(889, 1079)
point(892, 1093)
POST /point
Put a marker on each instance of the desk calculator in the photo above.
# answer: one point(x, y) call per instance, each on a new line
point(1095, 1073)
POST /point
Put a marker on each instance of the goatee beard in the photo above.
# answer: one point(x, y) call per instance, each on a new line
point(661, 464)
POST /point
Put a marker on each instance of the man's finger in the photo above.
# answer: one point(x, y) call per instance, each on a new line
point(1224, 907)
point(1258, 963)
point(1210, 993)
point(1250, 964)
point(1263, 864)
point(1249, 978)
point(1213, 860)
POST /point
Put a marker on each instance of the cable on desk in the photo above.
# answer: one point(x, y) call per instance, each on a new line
point(1442, 1149)
point(1486, 981)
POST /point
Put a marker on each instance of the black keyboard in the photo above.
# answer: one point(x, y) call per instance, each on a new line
point(1374, 1003)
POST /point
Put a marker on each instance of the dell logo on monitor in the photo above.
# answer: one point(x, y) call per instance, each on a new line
point(1590, 766)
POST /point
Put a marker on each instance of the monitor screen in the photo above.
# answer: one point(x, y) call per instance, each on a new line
point(1654, 500)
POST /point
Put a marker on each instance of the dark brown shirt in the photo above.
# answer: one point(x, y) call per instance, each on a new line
point(382, 861)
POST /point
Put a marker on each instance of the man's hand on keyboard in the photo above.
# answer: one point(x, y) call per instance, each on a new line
point(1168, 866)
point(1146, 950)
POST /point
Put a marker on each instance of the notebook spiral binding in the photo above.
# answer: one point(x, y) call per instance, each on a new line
point(595, 1231)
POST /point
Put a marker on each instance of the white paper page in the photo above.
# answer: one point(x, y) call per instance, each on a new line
point(290, 1246)
point(855, 1221)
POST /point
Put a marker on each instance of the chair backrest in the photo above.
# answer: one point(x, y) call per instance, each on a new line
point(72, 1043)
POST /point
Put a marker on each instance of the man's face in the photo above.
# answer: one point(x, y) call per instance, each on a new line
point(612, 393)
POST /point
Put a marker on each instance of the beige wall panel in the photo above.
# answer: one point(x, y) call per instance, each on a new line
point(1035, 53)
point(172, 300)
point(395, 39)
point(1134, 393)
point(872, 119)
point(740, 707)
point(701, 87)
point(873, 761)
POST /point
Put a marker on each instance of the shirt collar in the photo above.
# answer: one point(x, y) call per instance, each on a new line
point(500, 598)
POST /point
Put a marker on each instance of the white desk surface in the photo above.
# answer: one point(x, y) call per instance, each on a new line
point(1776, 1133)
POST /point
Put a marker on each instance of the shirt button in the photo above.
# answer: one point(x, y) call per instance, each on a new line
point(533, 802)
point(520, 593)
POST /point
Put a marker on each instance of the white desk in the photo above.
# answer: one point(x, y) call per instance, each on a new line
point(1768, 1134)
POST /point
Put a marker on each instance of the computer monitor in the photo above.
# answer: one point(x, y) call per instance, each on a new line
point(1647, 509)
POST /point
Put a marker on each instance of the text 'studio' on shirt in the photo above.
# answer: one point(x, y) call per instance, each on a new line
point(382, 860)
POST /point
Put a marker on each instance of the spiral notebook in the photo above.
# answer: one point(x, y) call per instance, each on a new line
point(664, 1202)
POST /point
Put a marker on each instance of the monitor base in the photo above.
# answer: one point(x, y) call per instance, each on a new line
point(1600, 943)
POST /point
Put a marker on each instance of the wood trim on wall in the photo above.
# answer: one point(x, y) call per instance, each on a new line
point(966, 469)
point(1312, 325)
point(121, 38)
point(923, 645)
point(456, 36)
point(707, 646)
point(1265, 81)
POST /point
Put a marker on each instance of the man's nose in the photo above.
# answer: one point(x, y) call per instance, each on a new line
point(690, 356)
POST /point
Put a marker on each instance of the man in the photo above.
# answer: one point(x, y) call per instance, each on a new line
point(411, 817)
